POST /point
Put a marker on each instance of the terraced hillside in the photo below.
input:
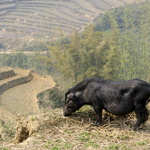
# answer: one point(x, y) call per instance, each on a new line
point(27, 20)
point(18, 91)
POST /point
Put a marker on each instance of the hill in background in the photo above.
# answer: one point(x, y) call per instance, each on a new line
point(23, 21)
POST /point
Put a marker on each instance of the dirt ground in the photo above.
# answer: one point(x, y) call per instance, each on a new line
point(52, 131)
point(22, 99)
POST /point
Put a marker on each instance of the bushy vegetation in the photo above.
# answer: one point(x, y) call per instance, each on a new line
point(34, 61)
point(51, 98)
point(115, 48)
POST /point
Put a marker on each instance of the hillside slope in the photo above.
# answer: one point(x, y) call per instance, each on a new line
point(21, 99)
point(36, 17)
point(26, 20)
point(51, 131)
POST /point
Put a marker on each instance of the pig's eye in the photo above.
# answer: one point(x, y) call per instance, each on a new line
point(69, 110)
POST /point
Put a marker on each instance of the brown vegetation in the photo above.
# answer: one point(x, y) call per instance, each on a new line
point(50, 130)
point(18, 95)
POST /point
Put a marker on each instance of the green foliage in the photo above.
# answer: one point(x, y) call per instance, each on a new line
point(54, 148)
point(18, 59)
point(119, 52)
point(35, 61)
point(115, 48)
point(142, 143)
point(82, 58)
point(52, 98)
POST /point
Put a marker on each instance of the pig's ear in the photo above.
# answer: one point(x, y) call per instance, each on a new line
point(77, 94)
point(70, 96)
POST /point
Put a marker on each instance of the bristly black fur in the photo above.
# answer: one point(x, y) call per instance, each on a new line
point(118, 98)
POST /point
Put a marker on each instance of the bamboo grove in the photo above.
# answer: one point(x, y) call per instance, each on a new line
point(116, 47)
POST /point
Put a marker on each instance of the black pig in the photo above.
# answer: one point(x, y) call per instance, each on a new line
point(118, 98)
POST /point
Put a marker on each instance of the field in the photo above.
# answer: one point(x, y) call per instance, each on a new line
point(23, 21)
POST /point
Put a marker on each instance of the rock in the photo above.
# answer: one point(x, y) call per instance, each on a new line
point(25, 128)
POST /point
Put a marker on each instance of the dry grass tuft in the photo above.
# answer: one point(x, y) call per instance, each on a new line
point(77, 132)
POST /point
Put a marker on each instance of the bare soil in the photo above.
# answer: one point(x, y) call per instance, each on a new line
point(22, 99)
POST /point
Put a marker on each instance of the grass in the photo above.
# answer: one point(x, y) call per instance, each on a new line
point(78, 133)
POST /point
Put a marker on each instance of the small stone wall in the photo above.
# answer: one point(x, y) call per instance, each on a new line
point(15, 79)
point(6, 72)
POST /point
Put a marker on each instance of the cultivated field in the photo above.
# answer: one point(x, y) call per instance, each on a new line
point(24, 20)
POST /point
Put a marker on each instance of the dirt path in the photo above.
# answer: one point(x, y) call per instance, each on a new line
point(22, 99)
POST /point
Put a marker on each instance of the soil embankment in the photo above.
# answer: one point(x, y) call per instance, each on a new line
point(18, 93)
